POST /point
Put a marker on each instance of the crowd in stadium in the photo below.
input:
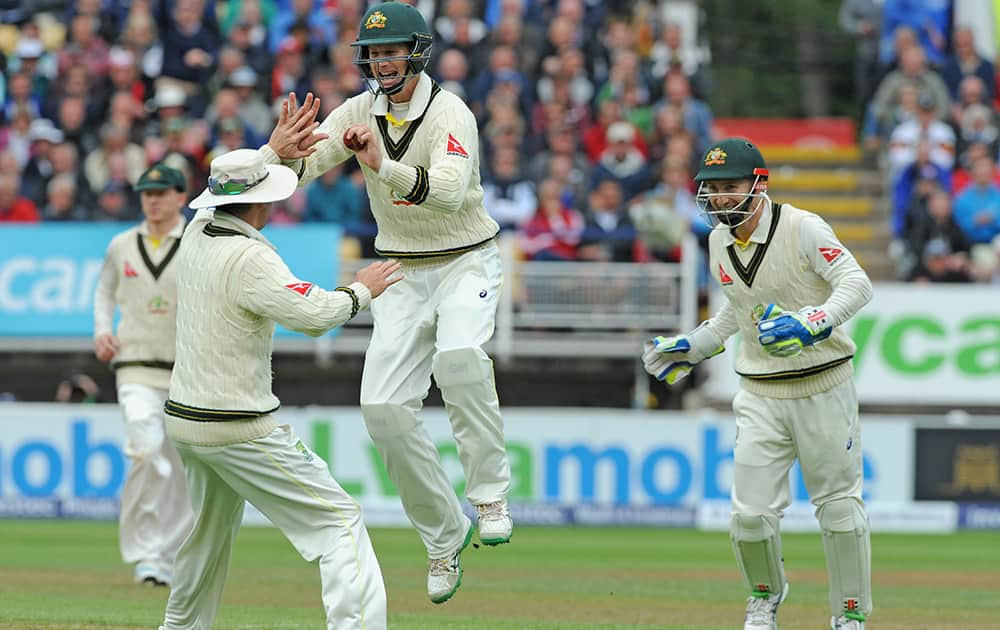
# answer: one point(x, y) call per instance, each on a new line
point(592, 114)
point(582, 106)
point(931, 114)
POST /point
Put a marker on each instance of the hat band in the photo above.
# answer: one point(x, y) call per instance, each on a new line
point(233, 186)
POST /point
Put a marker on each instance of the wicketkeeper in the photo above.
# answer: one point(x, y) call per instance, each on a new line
point(789, 286)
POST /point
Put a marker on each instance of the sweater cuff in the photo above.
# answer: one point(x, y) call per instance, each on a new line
point(270, 157)
point(409, 182)
point(363, 294)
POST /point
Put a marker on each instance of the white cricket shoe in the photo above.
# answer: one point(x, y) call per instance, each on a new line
point(444, 575)
point(762, 611)
point(495, 524)
point(845, 623)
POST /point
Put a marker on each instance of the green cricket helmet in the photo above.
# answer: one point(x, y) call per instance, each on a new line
point(393, 23)
point(731, 159)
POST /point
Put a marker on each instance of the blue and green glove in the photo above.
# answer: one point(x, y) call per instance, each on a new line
point(787, 333)
point(671, 358)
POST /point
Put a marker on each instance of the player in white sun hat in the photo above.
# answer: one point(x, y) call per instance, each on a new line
point(231, 289)
point(789, 284)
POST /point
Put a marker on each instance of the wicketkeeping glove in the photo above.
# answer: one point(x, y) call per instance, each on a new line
point(670, 358)
point(785, 334)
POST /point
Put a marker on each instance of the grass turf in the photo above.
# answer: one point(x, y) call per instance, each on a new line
point(67, 574)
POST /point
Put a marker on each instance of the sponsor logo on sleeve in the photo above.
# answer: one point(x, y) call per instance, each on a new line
point(724, 278)
point(455, 147)
point(831, 254)
point(302, 288)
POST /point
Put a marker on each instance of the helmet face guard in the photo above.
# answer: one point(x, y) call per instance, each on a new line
point(417, 59)
point(737, 214)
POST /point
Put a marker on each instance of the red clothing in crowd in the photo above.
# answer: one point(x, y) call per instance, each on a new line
point(552, 237)
point(21, 211)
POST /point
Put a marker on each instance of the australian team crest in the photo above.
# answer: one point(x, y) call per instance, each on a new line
point(375, 20)
point(715, 157)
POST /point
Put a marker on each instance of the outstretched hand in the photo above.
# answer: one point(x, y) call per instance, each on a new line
point(293, 137)
point(378, 276)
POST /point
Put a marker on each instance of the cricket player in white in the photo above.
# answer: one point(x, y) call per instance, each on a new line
point(231, 288)
point(789, 285)
point(138, 278)
point(418, 149)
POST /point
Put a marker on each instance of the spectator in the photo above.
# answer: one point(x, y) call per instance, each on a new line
point(927, 127)
point(43, 136)
point(961, 177)
point(561, 140)
point(256, 51)
point(913, 185)
point(85, 47)
point(62, 204)
point(453, 72)
point(336, 197)
point(316, 18)
point(14, 137)
point(554, 231)
point(140, 37)
point(252, 108)
point(913, 69)
point(114, 140)
point(30, 53)
point(71, 118)
point(190, 46)
point(977, 209)
point(941, 243)
point(964, 62)
point(289, 74)
point(622, 162)
point(673, 53)
point(928, 20)
point(508, 195)
point(13, 207)
point(609, 235)
point(696, 115)
point(19, 97)
point(113, 204)
point(123, 75)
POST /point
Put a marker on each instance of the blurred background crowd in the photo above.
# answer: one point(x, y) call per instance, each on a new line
point(593, 114)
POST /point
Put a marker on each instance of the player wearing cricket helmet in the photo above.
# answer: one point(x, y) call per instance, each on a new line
point(392, 23)
point(726, 164)
point(797, 397)
point(418, 148)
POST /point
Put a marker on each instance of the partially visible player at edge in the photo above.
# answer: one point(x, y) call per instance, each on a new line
point(789, 285)
point(138, 278)
point(419, 151)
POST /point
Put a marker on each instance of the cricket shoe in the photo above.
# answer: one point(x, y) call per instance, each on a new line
point(762, 610)
point(844, 622)
point(151, 574)
point(495, 524)
point(444, 575)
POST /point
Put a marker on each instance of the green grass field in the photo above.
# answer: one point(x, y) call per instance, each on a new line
point(65, 574)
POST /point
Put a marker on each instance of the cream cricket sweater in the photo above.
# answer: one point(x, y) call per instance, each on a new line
point(427, 198)
point(231, 288)
point(794, 260)
point(139, 278)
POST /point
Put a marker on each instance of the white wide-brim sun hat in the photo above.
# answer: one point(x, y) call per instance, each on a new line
point(241, 176)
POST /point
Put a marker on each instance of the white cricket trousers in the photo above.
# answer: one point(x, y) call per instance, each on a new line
point(155, 515)
point(823, 431)
point(435, 322)
point(293, 487)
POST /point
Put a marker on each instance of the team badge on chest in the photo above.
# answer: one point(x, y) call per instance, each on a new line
point(158, 306)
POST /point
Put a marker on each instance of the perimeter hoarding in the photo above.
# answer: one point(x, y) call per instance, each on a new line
point(569, 465)
point(48, 273)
